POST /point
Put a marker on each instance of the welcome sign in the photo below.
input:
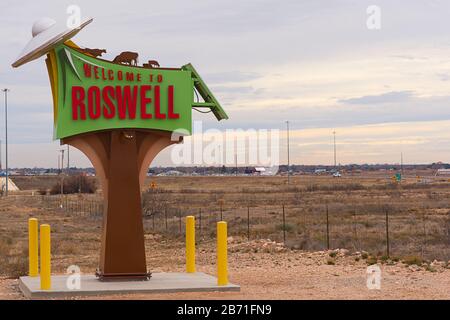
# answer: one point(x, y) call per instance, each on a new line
point(91, 94)
point(120, 115)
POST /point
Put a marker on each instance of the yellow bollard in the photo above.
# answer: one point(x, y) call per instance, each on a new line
point(45, 257)
point(190, 244)
point(222, 268)
point(33, 250)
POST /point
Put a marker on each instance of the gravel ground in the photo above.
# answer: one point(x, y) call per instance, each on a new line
point(266, 270)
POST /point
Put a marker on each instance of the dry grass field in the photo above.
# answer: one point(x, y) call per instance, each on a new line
point(264, 265)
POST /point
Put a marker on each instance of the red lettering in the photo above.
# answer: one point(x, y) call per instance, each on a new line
point(158, 113)
point(94, 102)
point(151, 78)
point(87, 70)
point(130, 76)
point(128, 99)
point(139, 77)
point(78, 103)
point(172, 115)
point(109, 110)
point(159, 78)
point(144, 101)
point(110, 75)
point(96, 72)
point(120, 75)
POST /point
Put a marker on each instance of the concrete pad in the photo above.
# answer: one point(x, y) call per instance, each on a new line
point(90, 285)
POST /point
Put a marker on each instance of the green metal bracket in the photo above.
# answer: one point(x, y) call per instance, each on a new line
point(210, 101)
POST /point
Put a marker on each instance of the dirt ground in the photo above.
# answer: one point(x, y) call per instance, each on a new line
point(291, 275)
point(264, 269)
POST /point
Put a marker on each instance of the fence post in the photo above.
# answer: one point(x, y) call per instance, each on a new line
point(387, 231)
point(284, 226)
point(424, 241)
point(328, 230)
point(165, 216)
point(153, 221)
point(248, 223)
point(200, 221)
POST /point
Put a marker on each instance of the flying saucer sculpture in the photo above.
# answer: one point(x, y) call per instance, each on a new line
point(46, 35)
point(120, 116)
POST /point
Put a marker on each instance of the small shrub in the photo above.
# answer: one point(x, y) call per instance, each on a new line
point(331, 262)
point(364, 255)
point(411, 260)
point(430, 268)
point(288, 227)
point(13, 266)
point(18, 267)
point(371, 260)
point(333, 254)
point(75, 184)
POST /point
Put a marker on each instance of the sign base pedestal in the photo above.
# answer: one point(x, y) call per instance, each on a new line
point(91, 286)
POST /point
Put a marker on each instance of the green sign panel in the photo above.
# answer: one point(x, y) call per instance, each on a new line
point(92, 94)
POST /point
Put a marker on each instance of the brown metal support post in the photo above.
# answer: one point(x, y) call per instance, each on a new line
point(121, 159)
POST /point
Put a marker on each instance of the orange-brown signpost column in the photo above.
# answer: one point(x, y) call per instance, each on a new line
point(121, 158)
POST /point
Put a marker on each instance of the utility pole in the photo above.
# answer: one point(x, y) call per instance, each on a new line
point(68, 160)
point(235, 163)
point(334, 137)
point(401, 162)
point(1, 155)
point(288, 155)
point(6, 139)
point(62, 175)
point(62, 160)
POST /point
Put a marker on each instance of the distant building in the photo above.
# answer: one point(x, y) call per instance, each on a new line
point(260, 170)
point(442, 172)
point(11, 185)
point(171, 173)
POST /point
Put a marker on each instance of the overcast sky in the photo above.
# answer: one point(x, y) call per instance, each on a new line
point(313, 62)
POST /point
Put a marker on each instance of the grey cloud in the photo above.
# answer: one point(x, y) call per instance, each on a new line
point(443, 76)
point(231, 90)
point(408, 57)
point(389, 97)
point(231, 77)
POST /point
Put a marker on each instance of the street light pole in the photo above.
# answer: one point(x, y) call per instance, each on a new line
point(62, 176)
point(334, 135)
point(68, 160)
point(6, 140)
point(288, 153)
